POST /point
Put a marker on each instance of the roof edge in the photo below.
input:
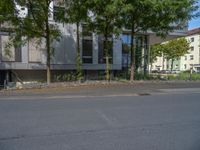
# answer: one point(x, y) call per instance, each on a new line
point(194, 31)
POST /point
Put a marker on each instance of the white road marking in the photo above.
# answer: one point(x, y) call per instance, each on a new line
point(108, 120)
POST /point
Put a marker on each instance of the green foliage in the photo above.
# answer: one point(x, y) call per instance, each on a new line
point(6, 10)
point(170, 50)
point(170, 15)
point(77, 12)
point(106, 20)
point(176, 48)
point(79, 74)
point(155, 51)
point(159, 16)
point(185, 76)
point(106, 16)
point(70, 76)
point(35, 25)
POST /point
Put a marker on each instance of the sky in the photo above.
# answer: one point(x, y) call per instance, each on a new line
point(195, 23)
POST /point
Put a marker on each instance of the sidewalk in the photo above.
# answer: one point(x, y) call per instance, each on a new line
point(102, 88)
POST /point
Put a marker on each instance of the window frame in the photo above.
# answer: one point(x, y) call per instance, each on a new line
point(87, 36)
point(102, 56)
point(191, 57)
point(192, 39)
point(85, 58)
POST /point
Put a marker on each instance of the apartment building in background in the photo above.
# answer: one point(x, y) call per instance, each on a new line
point(28, 62)
point(191, 60)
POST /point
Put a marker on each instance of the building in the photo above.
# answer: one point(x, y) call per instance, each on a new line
point(191, 60)
point(28, 62)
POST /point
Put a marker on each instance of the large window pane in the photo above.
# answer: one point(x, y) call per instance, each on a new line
point(18, 54)
point(87, 51)
point(126, 50)
point(87, 45)
point(8, 53)
point(35, 51)
point(102, 53)
point(58, 13)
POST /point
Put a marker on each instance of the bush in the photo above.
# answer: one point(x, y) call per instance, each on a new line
point(70, 76)
point(184, 76)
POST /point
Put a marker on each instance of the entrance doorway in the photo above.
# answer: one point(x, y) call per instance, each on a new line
point(2, 78)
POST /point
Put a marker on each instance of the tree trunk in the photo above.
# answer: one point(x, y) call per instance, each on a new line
point(132, 69)
point(163, 63)
point(144, 57)
point(107, 58)
point(48, 52)
point(78, 57)
point(150, 64)
point(172, 64)
point(150, 70)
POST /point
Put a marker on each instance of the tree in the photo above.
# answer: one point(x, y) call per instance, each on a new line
point(176, 48)
point(134, 13)
point(6, 10)
point(36, 25)
point(106, 21)
point(77, 12)
point(7, 15)
point(156, 51)
point(159, 16)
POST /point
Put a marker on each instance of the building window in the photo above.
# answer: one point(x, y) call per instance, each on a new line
point(87, 46)
point(35, 48)
point(185, 66)
point(192, 48)
point(10, 53)
point(185, 57)
point(101, 48)
point(126, 44)
point(86, 33)
point(191, 57)
point(192, 39)
point(87, 51)
point(18, 54)
point(102, 53)
point(58, 12)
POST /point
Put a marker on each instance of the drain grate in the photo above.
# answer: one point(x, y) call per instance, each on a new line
point(144, 94)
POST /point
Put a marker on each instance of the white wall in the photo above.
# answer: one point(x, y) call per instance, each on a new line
point(195, 53)
point(183, 61)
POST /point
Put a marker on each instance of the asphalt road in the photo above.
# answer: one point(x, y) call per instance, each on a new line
point(169, 121)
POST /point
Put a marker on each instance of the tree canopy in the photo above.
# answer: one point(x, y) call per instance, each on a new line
point(77, 13)
point(155, 51)
point(106, 20)
point(175, 48)
point(36, 25)
point(170, 50)
point(6, 10)
point(161, 17)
